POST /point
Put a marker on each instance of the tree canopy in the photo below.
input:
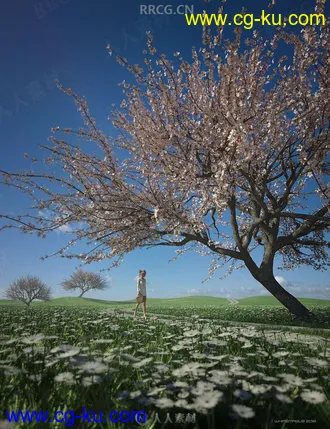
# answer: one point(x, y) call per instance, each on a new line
point(85, 281)
point(27, 289)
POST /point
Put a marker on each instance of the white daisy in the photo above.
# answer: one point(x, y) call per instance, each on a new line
point(247, 345)
point(255, 374)
point(135, 394)
point(208, 399)
point(283, 388)
point(164, 403)
point(206, 331)
point(179, 383)
point(187, 369)
point(11, 370)
point(65, 377)
point(192, 333)
point(13, 340)
point(182, 403)
point(162, 367)
point(259, 389)
point(320, 363)
point(93, 367)
point(243, 411)
point(316, 386)
point(72, 351)
point(269, 378)
point(218, 358)
point(88, 381)
point(33, 339)
point(183, 395)
point(50, 363)
point(280, 354)
point(283, 398)
point(220, 377)
point(313, 396)
point(202, 387)
point(142, 363)
point(155, 391)
point(292, 379)
point(129, 358)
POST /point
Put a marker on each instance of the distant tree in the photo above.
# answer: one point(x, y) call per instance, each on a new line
point(85, 281)
point(27, 289)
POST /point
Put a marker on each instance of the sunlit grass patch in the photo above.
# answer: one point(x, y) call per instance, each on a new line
point(250, 314)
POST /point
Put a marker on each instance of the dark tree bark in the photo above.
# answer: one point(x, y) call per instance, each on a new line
point(289, 301)
point(264, 275)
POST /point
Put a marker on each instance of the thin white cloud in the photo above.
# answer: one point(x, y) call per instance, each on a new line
point(298, 289)
point(199, 291)
point(282, 281)
point(194, 292)
point(264, 292)
point(65, 228)
point(108, 279)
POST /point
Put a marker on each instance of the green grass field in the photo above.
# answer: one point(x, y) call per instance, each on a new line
point(262, 309)
point(270, 300)
point(196, 301)
point(72, 353)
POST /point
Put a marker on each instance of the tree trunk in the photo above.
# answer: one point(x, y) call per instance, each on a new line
point(81, 294)
point(289, 301)
point(265, 275)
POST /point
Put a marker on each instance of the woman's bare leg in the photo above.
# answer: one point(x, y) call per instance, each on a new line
point(145, 307)
point(136, 308)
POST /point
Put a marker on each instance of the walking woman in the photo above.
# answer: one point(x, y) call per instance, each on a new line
point(141, 293)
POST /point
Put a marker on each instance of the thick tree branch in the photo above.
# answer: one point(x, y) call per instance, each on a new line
point(306, 228)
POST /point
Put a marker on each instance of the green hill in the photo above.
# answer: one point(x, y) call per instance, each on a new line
point(10, 302)
point(86, 302)
point(194, 301)
point(198, 301)
point(71, 301)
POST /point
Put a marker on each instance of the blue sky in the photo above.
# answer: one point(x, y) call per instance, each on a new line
point(66, 39)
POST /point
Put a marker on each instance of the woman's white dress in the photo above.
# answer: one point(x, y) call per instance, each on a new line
point(142, 287)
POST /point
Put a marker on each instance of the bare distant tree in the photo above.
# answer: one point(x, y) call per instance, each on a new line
point(85, 281)
point(27, 289)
